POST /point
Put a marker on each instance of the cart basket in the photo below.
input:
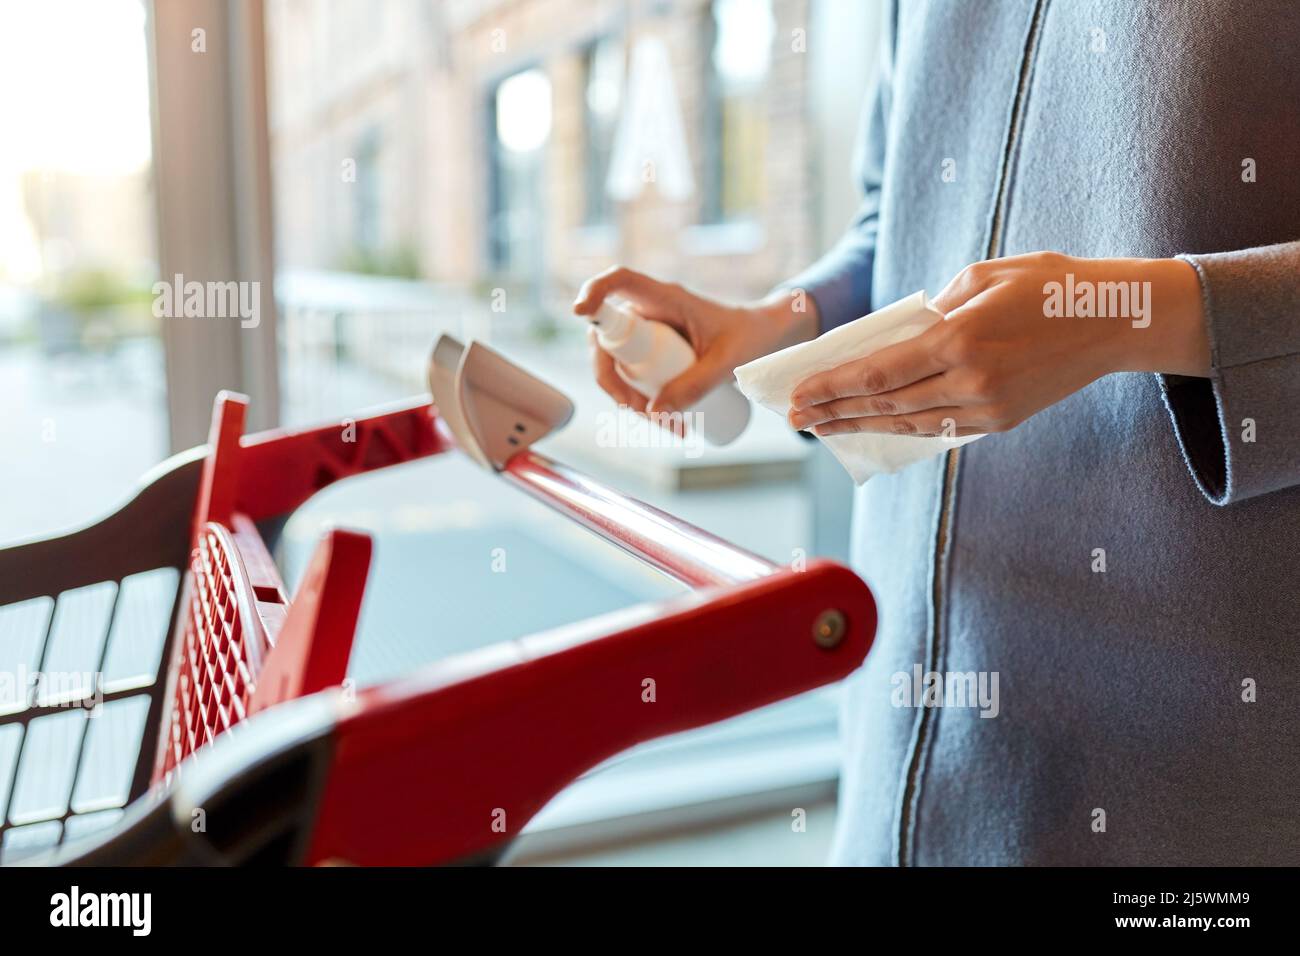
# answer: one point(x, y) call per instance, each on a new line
point(166, 626)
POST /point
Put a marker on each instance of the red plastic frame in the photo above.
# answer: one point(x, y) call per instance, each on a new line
point(242, 646)
point(450, 764)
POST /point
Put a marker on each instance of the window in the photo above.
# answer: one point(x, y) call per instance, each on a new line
point(521, 129)
point(735, 134)
point(81, 362)
point(602, 101)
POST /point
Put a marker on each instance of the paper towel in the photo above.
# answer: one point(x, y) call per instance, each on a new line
point(770, 380)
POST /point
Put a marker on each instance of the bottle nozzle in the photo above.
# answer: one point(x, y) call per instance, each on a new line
point(612, 320)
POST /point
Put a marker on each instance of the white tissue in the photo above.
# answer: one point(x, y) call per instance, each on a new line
point(769, 381)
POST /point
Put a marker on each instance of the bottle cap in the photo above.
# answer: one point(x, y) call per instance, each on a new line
point(612, 321)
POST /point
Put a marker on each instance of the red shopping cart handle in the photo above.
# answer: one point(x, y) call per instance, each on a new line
point(481, 743)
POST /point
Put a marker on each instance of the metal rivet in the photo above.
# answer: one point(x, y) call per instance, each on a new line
point(828, 630)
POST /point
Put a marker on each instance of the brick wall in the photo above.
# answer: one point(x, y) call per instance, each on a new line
point(441, 62)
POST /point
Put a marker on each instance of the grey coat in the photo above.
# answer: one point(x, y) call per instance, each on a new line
point(1127, 731)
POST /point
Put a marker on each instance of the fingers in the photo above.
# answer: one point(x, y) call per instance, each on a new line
point(607, 378)
point(890, 368)
point(686, 390)
point(634, 285)
point(932, 392)
point(950, 422)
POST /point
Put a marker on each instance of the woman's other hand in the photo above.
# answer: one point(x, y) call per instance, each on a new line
point(1020, 334)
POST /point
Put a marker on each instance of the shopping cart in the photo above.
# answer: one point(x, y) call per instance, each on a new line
point(252, 745)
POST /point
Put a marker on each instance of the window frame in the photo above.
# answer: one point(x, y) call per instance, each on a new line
point(210, 125)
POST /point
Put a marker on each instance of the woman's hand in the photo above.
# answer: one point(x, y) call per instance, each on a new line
point(1020, 334)
point(723, 336)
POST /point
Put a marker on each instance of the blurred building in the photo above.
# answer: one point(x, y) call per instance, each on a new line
point(79, 220)
point(529, 143)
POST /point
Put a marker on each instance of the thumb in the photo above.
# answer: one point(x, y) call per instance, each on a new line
point(687, 389)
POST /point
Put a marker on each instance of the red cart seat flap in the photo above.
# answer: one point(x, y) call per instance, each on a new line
point(241, 646)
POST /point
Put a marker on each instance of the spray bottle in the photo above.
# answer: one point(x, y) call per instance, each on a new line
point(650, 354)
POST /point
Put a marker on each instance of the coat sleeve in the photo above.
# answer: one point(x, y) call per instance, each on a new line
point(840, 281)
point(1240, 429)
